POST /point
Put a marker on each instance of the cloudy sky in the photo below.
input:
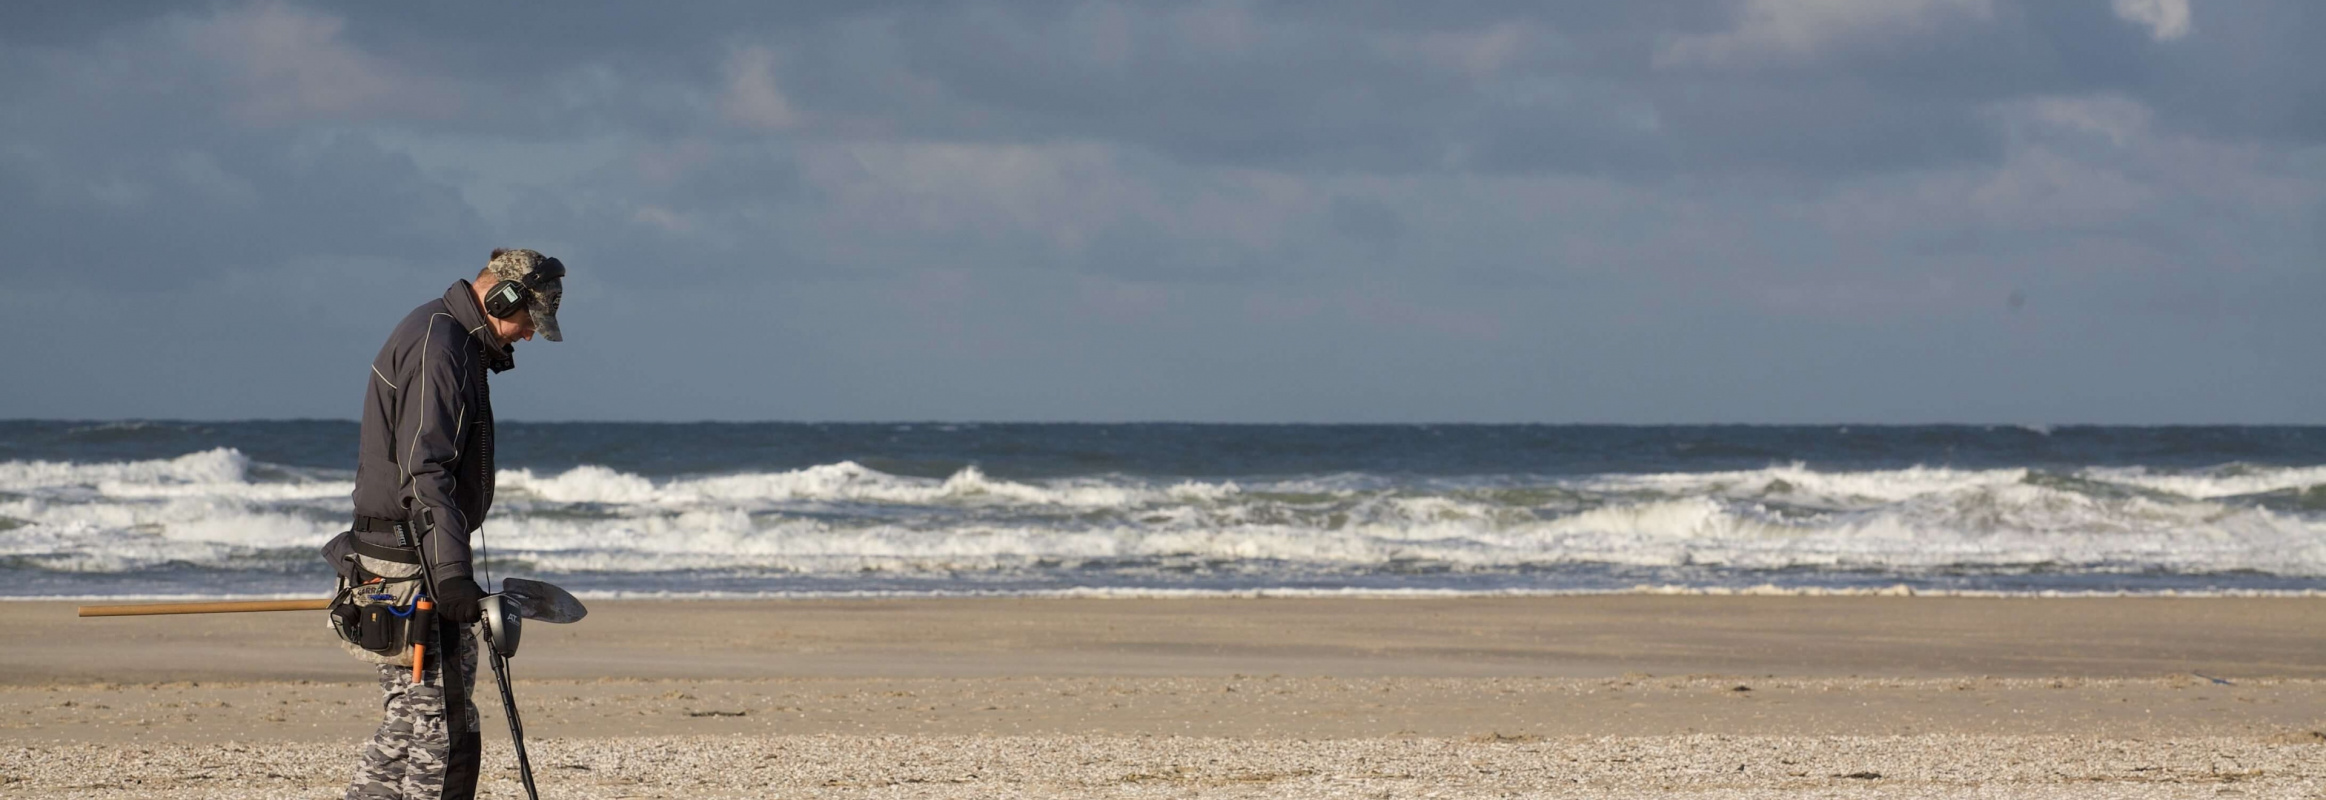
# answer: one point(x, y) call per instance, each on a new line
point(1683, 211)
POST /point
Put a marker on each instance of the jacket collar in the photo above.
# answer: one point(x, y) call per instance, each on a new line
point(461, 300)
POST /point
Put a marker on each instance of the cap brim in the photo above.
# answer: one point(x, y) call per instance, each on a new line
point(547, 296)
point(545, 324)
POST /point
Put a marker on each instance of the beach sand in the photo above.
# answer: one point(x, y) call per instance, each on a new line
point(1592, 696)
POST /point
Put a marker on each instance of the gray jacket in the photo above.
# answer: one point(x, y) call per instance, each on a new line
point(426, 440)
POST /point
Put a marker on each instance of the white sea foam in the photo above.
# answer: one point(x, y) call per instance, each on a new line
point(846, 481)
point(209, 467)
point(836, 520)
point(2230, 481)
point(1799, 482)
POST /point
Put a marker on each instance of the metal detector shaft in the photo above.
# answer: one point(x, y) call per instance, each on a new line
point(516, 725)
point(231, 606)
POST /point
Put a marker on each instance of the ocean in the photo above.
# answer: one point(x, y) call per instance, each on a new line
point(201, 509)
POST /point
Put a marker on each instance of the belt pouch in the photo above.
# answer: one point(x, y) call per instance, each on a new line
point(378, 629)
point(374, 610)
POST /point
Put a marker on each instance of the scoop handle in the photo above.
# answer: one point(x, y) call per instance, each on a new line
point(423, 622)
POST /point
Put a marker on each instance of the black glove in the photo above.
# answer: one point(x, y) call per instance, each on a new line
point(456, 599)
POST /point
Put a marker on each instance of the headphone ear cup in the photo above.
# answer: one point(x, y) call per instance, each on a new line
point(505, 299)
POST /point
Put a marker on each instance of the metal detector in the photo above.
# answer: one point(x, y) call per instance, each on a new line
point(504, 615)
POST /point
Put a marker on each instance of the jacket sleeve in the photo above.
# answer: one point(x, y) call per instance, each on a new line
point(435, 413)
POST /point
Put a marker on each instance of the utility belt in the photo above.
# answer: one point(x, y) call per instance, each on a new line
point(376, 611)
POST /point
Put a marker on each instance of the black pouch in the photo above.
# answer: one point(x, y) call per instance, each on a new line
point(379, 630)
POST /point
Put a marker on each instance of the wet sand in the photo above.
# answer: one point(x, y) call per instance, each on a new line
point(1624, 696)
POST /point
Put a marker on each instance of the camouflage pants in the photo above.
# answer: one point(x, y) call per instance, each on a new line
point(415, 754)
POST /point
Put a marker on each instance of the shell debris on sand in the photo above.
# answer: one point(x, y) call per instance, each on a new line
point(1089, 766)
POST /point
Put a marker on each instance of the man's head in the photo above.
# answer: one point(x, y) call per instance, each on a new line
point(520, 291)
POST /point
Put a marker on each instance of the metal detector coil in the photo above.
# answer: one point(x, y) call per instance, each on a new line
point(503, 625)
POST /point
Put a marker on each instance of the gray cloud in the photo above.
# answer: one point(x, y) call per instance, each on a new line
point(1715, 210)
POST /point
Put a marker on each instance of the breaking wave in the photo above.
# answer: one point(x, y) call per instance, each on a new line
point(845, 524)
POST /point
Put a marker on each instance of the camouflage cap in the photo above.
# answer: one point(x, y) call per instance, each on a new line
point(547, 284)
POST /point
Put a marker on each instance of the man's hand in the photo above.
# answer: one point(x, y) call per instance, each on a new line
point(456, 599)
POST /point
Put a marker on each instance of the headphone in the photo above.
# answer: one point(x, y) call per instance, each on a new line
point(511, 296)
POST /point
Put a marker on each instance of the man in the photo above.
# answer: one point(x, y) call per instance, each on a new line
point(424, 475)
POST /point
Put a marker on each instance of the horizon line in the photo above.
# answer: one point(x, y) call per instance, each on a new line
point(2032, 426)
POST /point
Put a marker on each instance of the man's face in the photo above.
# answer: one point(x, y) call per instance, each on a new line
point(517, 328)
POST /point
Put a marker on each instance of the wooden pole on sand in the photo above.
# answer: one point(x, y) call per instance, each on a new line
point(146, 609)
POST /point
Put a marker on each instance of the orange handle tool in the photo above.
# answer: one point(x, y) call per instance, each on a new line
point(420, 649)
